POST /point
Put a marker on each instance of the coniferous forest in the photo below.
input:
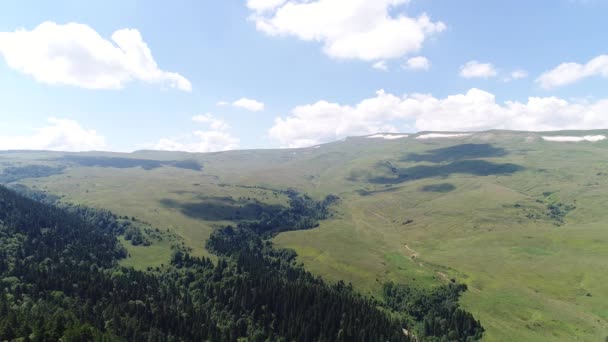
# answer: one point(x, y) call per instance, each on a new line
point(60, 281)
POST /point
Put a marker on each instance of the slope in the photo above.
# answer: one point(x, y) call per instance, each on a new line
point(516, 217)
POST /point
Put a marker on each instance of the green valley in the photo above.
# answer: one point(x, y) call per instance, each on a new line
point(517, 218)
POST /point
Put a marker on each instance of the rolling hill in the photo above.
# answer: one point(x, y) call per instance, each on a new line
point(516, 216)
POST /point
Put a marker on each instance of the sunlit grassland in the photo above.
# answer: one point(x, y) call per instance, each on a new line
point(457, 216)
point(145, 194)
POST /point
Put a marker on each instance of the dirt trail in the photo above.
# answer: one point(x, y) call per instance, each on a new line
point(444, 277)
point(384, 218)
point(413, 253)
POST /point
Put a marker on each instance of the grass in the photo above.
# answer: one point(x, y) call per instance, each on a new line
point(463, 212)
point(145, 194)
point(529, 280)
point(142, 257)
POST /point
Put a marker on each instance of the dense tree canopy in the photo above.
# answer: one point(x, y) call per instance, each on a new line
point(60, 281)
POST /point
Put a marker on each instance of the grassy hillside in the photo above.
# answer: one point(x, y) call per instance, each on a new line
point(519, 219)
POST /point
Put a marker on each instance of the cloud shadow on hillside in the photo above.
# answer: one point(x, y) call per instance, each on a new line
point(221, 208)
point(365, 192)
point(15, 173)
point(468, 167)
point(455, 153)
point(442, 188)
point(126, 163)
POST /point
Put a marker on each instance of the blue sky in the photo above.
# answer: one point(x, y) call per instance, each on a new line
point(309, 63)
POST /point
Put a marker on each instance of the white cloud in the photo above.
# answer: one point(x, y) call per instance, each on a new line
point(200, 141)
point(590, 138)
point(518, 74)
point(213, 122)
point(352, 29)
point(249, 104)
point(323, 121)
point(474, 110)
point(515, 75)
point(380, 65)
point(75, 54)
point(417, 63)
point(264, 5)
point(568, 73)
point(58, 135)
point(213, 140)
point(475, 69)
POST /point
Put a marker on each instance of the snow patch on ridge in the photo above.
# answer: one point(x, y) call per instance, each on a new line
point(442, 135)
point(387, 136)
point(590, 138)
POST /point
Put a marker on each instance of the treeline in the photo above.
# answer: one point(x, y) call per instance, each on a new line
point(428, 314)
point(105, 219)
point(250, 236)
point(60, 281)
point(434, 312)
point(290, 296)
point(302, 213)
point(15, 173)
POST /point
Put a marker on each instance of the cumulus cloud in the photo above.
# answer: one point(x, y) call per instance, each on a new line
point(417, 63)
point(244, 103)
point(568, 73)
point(380, 65)
point(475, 69)
point(213, 122)
point(76, 55)
point(249, 104)
point(474, 110)
point(323, 121)
point(213, 140)
point(58, 135)
point(516, 75)
point(264, 5)
point(200, 141)
point(368, 30)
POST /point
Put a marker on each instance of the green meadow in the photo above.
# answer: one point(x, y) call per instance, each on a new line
point(520, 220)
